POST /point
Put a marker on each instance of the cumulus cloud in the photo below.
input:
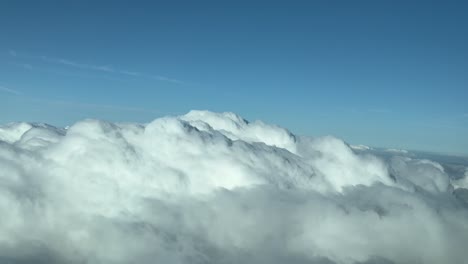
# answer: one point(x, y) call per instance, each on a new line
point(360, 147)
point(215, 188)
point(401, 151)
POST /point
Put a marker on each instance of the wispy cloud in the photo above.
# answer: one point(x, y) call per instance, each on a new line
point(92, 67)
point(81, 105)
point(76, 64)
point(26, 66)
point(379, 110)
point(89, 106)
point(8, 90)
point(98, 106)
point(64, 72)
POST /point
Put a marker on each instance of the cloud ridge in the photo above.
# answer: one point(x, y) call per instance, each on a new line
point(215, 188)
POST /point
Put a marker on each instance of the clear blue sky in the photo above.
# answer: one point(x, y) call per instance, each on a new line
point(381, 73)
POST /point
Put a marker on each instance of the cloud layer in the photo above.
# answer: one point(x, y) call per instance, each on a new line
point(214, 188)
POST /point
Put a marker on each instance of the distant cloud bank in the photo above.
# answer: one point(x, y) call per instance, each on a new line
point(215, 188)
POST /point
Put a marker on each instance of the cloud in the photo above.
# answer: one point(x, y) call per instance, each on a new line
point(84, 105)
point(106, 68)
point(215, 188)
point(100, 106)
point(92, 67)
point(360, 147)
point(400, 151)
point(76, 64)
point(8, 90)
point(25, 66)
point(380, 110)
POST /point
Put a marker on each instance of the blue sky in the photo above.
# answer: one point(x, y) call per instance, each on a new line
point(381, 73)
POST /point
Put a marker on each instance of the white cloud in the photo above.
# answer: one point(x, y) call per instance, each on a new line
point(8, 90)
point(380, 110)
point(401, 151)
point(77, 65)
point(94, 106)
point(360, 147)
point(108, 69)
point(215, 188)
point(25, 66)
point(462, 182)
point(92, 67)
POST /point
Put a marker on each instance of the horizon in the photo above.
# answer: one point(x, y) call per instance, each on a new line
point(380, 74)
point(223, 132)
point(353, 145)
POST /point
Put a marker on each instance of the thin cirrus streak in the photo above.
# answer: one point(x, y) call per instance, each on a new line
point(41, 101)
point(9, 90)
point(91, 67)
point(84, 105)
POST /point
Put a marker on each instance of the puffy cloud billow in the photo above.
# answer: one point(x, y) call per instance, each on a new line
point(214, 188)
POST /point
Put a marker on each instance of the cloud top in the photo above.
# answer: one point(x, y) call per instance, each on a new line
point(215, 188)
